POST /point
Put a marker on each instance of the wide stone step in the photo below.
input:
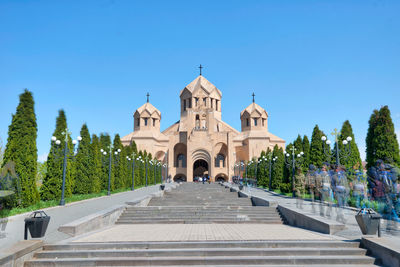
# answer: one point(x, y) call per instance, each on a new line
point(201, 208)
point(205, 219)
point(318, 244)
point(197, 221)
point(211, 215)
point(181, 209)
point(203, 252)
point(195, 260)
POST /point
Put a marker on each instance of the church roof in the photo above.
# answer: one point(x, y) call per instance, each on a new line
point(201, 82)
point(254, 107)
point(149, 108)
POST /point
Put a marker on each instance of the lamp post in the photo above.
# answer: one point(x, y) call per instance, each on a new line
point(134, 159)
point(344, 153)
point(110, 152)
point(270, 161)
point(295, 161)
point(165, 172)
point(146, 161)
point(65, 150)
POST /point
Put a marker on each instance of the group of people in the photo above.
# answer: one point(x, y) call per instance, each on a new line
point(202, 179)
point(384, 187)
point(328, 183)
point(333, 182)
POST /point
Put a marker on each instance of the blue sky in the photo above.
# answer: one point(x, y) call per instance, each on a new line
point(309, 62)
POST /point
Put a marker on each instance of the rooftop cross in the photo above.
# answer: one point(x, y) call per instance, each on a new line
point(200, 67)
point(253, 97)
point(148, 97)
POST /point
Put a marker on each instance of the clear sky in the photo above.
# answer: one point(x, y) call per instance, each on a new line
point(308, 62)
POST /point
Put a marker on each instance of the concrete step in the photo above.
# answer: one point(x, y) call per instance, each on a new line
point(180, 221)
point(192, 215)
point(203, 252)
point(195, 260)
point(204, 244)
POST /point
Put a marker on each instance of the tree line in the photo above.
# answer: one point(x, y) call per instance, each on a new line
point(381, 144)
point(87, 168)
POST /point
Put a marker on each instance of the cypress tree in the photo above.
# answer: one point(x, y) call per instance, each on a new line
point(354, 158)
point(381, 138)
point(95, 161)
point(306, 157)
point(277, 169)
point(262, 172)
point(119, 165)
point(21, 147)
point(317, 156)
point(105, 142)
point(52, 183)
point(83, 164)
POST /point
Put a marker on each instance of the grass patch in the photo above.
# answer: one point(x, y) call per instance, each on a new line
point(53, 203)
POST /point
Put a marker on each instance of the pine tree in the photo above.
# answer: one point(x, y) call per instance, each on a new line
point(95, 161)
point(381, 138)
point(51, 187)
point(317, 156)
point(354, 158)
point(21, 147)
point(277, 169)
point(306, 157)
point(83, 164)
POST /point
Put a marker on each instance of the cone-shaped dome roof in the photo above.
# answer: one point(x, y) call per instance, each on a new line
point(201, 82)
point(254, 107)
point(149, 108)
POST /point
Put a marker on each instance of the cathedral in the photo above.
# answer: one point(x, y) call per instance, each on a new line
point(200, 143)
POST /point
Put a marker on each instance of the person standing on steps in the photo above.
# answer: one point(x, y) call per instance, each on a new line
point(300, 181)
point(311, 184)
point(325, 191)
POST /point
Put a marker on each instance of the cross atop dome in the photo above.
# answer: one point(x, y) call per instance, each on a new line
point(200, 67)
point(148, 97)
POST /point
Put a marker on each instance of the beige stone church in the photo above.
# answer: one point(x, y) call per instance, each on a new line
point(200, 143)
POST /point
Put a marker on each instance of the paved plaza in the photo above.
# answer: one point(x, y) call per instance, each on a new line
point(201, 232)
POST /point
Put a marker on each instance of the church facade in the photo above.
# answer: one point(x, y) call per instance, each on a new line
point(200, 143)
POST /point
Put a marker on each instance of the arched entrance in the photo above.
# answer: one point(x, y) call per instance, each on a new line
point(221, 177)
point(200, 168)
point(180, 178)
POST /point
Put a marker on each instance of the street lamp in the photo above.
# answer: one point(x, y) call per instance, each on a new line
point(271, 160)
point(65, 150)
point(134, 159)
point(344, 153)
point(294, 162)
point(110, 153)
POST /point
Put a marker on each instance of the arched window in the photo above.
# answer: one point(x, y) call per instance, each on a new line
point(197, 121)
point(145, 121)
point(220, 158)
point(247, 123)
point(180, 161)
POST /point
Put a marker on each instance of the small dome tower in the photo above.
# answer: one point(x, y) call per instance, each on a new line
point(147, 118)
point(254, 118)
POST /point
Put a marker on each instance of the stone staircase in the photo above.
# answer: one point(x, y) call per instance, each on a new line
point(195, 214)
point(223, 253)
point(194, 203)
